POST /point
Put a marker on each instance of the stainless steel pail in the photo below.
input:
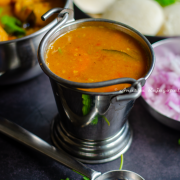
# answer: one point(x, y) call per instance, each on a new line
point(102, 133)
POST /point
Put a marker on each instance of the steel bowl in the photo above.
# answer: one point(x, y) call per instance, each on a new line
point(174, 45)
point(18, 58)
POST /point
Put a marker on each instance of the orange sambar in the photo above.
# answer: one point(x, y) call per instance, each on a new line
point(96, 53)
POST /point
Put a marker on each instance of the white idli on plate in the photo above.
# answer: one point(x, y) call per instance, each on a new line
point(146, 16)
point(171, 26)
point(93, 6)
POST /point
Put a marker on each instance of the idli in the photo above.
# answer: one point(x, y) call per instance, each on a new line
point(144, 15)
point(171, 25)
point(93, 6)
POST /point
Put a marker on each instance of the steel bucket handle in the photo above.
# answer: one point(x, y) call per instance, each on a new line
point(102, 104)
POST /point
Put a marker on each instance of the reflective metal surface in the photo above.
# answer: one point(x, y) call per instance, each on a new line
point(101, 134)
point(120, 175)
point(20, 134)
point(91, 151)
point(106, 107)
point(94, 125)
point(18, 58)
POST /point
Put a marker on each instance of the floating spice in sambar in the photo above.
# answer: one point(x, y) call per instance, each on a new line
point(96, 53)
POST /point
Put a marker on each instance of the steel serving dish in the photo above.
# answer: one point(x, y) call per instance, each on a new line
point(18, 58)
point(174, 45)
point(75, 133)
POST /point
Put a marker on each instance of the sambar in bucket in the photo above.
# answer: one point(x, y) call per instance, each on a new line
point(97, 53)
point(92, 122)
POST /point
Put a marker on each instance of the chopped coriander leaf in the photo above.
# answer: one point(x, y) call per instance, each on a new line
point(122, 161)
point(12, 25)
point(166, 2)
point(106, 120)
point(86, 104)
point(20, 36)
point(59, 50)
point(95, 120)
point(179, 141)
point(84, 177)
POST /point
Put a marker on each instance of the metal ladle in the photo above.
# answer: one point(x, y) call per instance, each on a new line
point(22, 135)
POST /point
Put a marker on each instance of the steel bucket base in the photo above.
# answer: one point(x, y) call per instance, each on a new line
point(89, 151)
